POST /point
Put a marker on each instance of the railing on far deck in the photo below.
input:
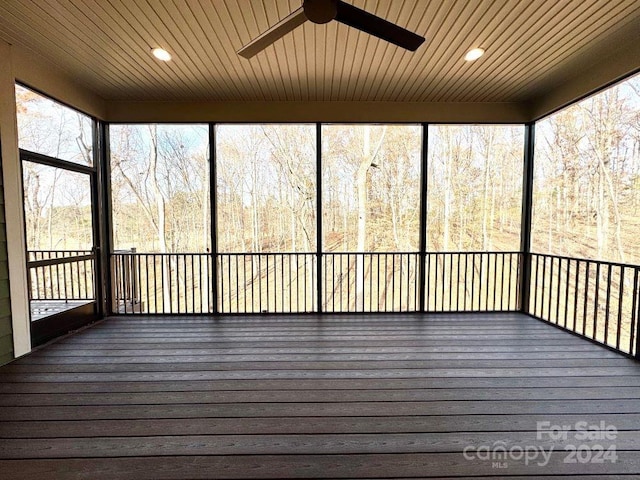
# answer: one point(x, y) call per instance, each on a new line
point(61, 274)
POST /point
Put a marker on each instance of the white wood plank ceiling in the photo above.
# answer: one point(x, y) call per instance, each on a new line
point(105, 45)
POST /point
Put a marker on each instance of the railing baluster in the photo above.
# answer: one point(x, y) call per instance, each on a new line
point(371, 262)
point(386, 284)
point(450, 269)
point(230, 308)
point(234, 281)
point(465, 290)
point(502, 283)
point(495, 279)
point(544, 287)
point(607, 305)
point(132, 266)
point(290, 286)
point(533, 296)
point(303, 298)
point(435, 282)
point(147, 304)
point(566, 295)
point(484, 275)
point(224, 282)
point(267, 284)
point(253, 283)
point(330, 282)
point(57, 282)
point(620, 304)
point(550, 299)
point(634, 335)
point(586, 297)
point(442, 283)
point(595, 302)
point(378, 296)
point(349, 281)
point(559, 282)
point(416, 281)
point(281, 281)
point(158, 292)
point(505, 287)
point(472, 299)
point(87, 280)
point(260, 284)
point(125, 282)
point(575, 296)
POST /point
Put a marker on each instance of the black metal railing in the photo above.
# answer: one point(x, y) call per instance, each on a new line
point(595, 299)
point(287, 282)
point(472, 281)
point(61, 274)
point(267, 282)
point(370, 282)
point(161, 283)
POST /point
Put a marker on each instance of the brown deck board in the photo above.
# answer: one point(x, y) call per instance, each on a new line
point(311, 409)
point(290, 444)
point(299, 425)
point(157, 374)
point(352, 396)
point(24, 384)
point(410, 465)
point(325, 396)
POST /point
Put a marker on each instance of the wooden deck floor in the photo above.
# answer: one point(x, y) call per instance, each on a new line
point(309, 397)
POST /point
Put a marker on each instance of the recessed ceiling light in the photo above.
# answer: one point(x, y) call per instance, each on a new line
point(474, 54)
point(161, 54)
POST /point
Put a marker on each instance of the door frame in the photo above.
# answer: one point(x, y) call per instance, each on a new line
point(52, 326)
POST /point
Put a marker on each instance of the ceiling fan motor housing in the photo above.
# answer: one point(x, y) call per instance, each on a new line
point(320, 11)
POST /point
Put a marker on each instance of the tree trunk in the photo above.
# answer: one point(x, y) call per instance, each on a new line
point(446, 220)
point(361, 186)
point(368, 157)
point(161, 214)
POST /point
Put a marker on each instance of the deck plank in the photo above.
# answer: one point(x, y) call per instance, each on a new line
point(301, 425)
point(408, 465)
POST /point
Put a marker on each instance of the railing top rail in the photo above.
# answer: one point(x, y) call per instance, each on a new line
point(479, 252)
point(590, 260)
point(127, 252)
point(59, 261)
point(85, 250)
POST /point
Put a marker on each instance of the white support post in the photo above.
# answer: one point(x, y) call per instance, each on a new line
point(14, 210)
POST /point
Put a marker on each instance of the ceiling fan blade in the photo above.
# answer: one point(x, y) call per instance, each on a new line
point(280, 29)
point(379, 27)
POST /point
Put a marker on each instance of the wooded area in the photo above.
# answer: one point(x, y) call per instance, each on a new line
point(587, 178)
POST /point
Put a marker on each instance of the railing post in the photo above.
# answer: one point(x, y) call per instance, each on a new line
point(319, 216)
point(636, 296)
point(213, 207)
point(102, 220)
point(524, 282)
point(422, 256)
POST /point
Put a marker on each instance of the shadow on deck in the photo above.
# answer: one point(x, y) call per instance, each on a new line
point(339, 396)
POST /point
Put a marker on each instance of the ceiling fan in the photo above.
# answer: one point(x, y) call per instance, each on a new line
point(323, 11)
